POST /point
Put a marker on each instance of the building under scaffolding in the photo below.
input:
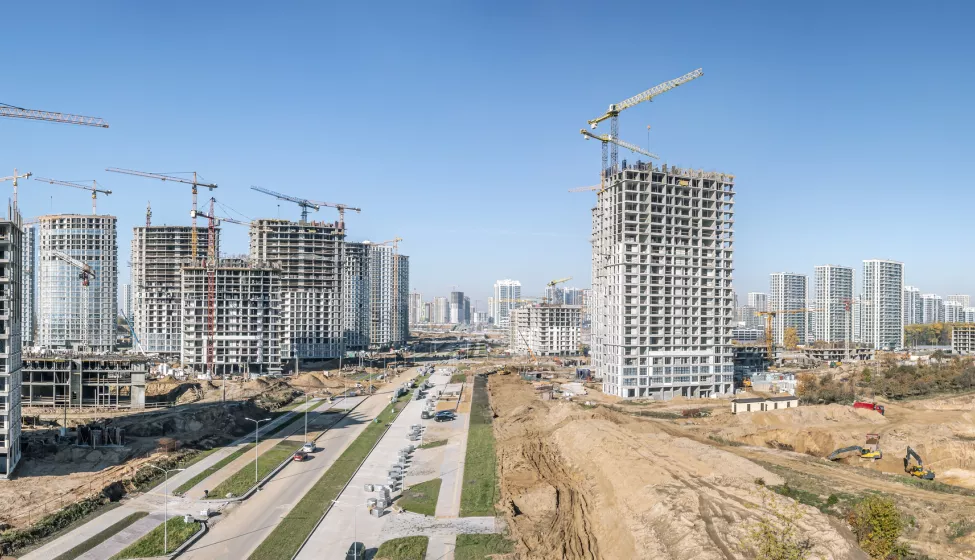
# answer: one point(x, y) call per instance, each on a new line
point(58, 380)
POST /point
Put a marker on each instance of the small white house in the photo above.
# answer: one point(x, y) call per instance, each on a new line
point(763, 404)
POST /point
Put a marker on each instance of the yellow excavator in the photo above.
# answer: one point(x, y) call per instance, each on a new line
point(917, 470)
point(865, 453)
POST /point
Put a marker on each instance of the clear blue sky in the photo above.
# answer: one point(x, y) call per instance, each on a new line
point(455, 124)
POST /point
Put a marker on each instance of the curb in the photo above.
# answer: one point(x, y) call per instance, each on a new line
point(278, 468)
point(357, 469)
point(204, 527)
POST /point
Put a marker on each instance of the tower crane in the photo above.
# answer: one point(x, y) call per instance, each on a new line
point(210, 268)
point(769, 317)
point(554, 283)
point(195, 183)
point(14, 178)
point(614, 110)
point(85, 274)
point(35, 115)
point(584, 189)
point(341, 208)
point(607, 139)
point(93, 188)
point(301, 202)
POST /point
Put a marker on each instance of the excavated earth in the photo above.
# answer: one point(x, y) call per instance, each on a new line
point(596, 483)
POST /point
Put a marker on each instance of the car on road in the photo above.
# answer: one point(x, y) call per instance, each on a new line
point(308, 447)
point(445, 416)
point(356, 552)
point(300, 456)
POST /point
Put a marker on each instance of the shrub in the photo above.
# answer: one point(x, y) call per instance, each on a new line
point(775, 536)
point(877, 525)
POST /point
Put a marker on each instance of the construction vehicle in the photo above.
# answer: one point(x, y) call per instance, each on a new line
point(871, 452)
point(917, 470)
point(870, 406)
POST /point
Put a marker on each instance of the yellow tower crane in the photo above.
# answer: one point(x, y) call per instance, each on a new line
point(769, 316)
point(93, 188)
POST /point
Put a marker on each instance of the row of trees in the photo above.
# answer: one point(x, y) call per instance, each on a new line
point(892, 380)
point(935, 334)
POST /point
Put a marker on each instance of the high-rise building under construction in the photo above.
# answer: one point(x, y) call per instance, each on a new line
point(158, 253)
point(11, 251)
point(76, 312)
point(29, 284)
point(663, 304)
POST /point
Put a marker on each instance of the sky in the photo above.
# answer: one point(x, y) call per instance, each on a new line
point(455, 125)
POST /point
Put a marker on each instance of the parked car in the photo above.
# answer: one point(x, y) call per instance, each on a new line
point(300, 456)
point(308, 447)
point(445, 416)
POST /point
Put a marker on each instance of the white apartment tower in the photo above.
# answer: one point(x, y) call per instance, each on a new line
point(954, 312)
point(158, 253)
point(72, 314)
point(416, 308)
point(965, 301)
point(506, 296)
point(125, 301)
point(932, 309)
point(548, 330)
point(662, 297)
point(357, 312)
point(11, 253)
point(834, 296)
point(787, 297)
point(913, 310)
point(389, 281)
point(882, 321)
point(309, 256)
point(29, 285)
point(758, 301)
point(457, 308)
point(441, 310)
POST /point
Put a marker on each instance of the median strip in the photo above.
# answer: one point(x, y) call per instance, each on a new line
point(151, 545)
point(480, 488)
point(212, 469)
point(242, 481)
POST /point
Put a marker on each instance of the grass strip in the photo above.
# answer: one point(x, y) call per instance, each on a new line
point(481, 547)
point(403, 548)
point(242, 480)
point(430, 444)
point(212, 469)
point(480, 488)
point(421, 498)
point(102, 536)
point(458, 378)
point(151, 544)
point(291, 532)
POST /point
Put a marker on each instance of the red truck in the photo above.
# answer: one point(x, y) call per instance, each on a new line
point(869, 405)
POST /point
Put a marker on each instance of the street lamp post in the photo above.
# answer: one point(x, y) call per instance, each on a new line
point(257, 431)
point(166, 506)
point(306, 417)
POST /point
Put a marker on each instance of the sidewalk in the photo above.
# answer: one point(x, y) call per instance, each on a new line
point(117, 542)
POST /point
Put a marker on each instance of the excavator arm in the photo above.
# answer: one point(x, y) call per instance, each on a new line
point(917, 470)
point(836, 454)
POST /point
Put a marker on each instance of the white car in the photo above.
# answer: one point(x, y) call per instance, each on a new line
point(308, 447)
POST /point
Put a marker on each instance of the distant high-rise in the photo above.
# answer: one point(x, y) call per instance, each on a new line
point(125, 301)
point(441, 310)
point(490, 309)
point(954, 312)
point(467, 310)
point(883, 301)
point(834, 293)
point(416, 308)
point(932, 309)
point(787, 293)
point(758, 300)
point(72, 314)
point(456, 308)
point(29, 285)
point(965, 301)
point(356, 294)
point(506, 296)
point(913, 309)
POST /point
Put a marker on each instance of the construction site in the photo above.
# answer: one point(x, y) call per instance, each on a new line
point(71, 380)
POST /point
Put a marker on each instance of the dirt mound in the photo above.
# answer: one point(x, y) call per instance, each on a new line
point(579, 483)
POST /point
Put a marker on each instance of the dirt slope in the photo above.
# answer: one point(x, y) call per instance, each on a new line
point(579, 483)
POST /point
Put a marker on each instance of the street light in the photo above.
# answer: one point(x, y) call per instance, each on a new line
point(306, 417)
point(257, 431)
point(166, 498)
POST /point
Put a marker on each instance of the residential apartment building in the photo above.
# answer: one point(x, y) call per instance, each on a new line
point(834, 296)
point(125, 301)
point(416, 308)
point(758, 300)
point(548, 330)
point(787, 297)
point(441, 310)
point(357, 310)
point(883, 300)
point(158, 253)
point(963, 339)
point(457, 308)
point(389, 290)
point(954, 312)
point(246, 322)
point(11, 251)
point(932, 309)
point(76, 313)
point(913, 309)
point(309, 256)
point(662, 298)
point(965, 301)
point(490, 309)
point(506, 295)
point(29, 285)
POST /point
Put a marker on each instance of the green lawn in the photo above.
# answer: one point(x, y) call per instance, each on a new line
point(288, 536)
point(216, 467)
point(479, 547)
point(241, 481)
point(430, 444)
point(102, 536)
point(403, 548)
point(458, 378)
point(421, 498)
point(152, 544)
point(480, 488)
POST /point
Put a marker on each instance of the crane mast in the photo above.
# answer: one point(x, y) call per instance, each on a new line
point(93, 188)
point(341, 208)
point(210, 269)
point(14, 178)
point(194, 183)
point(304, 204)
point(50, 116)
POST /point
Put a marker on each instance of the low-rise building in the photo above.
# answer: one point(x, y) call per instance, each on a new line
point(73, 380)
point(772, 382)
point(963, 339)
point(838, 353)
point(763, 404)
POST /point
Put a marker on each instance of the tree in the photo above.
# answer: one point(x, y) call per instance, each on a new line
point(877, 525)
point(776, 536)
point(791, 338)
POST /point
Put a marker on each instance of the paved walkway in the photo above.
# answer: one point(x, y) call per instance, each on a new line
point(452, 469)
point(153, 500)
point(124, 538)
point(349, 520)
